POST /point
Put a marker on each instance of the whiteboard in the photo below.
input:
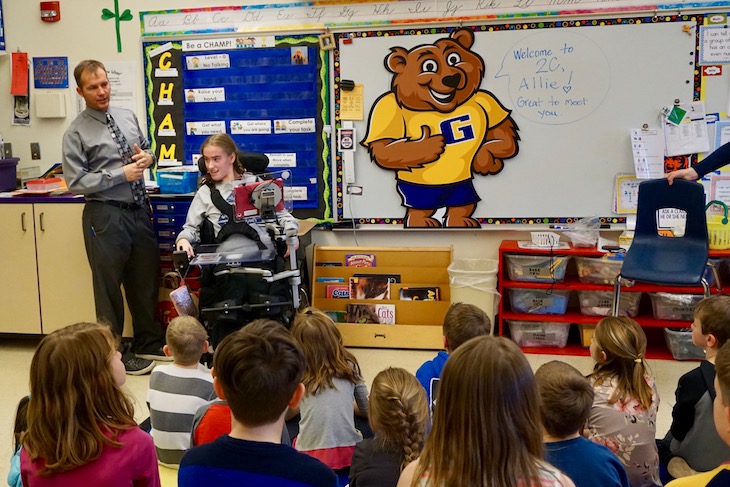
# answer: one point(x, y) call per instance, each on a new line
point(575, 92)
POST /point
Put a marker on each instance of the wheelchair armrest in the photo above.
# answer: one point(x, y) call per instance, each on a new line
point(245, 270)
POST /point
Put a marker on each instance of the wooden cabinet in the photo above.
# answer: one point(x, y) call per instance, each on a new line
point(64, 276)
point(47, 280)
point(656, 347)
point(418, 323)
point(19, 285)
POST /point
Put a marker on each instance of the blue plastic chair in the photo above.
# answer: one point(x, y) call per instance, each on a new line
point(672, 261)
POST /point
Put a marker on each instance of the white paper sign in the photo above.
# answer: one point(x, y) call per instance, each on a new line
point(690, 136)
point(250, 126)
point(205, 95)
point(714, 44)
point(241, 42)
point(294, 126)
point(205, 128)
point(295, 193)
point(282, 159)
point(208, 61)
point(647, 146)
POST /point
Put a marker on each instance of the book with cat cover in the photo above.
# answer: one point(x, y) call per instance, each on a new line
point(421, 293)
point(370, 287)
point(338, 291)
point(383, 314)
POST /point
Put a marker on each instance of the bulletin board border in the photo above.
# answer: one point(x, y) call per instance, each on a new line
point(537, 24)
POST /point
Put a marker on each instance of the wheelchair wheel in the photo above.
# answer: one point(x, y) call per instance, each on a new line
point(303, 299)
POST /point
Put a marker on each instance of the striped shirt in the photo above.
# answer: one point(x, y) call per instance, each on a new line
point(174, 395)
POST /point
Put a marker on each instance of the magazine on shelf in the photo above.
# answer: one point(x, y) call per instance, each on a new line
point(370, 287)
point(361, 313)
point(421, 293)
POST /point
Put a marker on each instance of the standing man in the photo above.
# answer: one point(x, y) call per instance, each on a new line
point(105, 154)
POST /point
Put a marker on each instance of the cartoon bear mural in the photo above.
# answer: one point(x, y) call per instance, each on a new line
point(435, 128)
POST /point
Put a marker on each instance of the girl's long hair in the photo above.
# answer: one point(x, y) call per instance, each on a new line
point(399, 412)
point(624, 343)
point(74, 402)
point(486, 428)
point(325, 357)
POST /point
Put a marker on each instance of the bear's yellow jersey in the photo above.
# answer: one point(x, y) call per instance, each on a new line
point(464, 131)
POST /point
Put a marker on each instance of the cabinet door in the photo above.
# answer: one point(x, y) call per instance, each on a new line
point(19, 284)
point(64, 276)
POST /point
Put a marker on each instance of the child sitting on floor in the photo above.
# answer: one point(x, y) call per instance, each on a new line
point(398, 416)
point(258, 370)
point(692, 438)
point(567, 398)
point(81, 428)
point(623, 416)
point(178, 389)
point(462, 322)
point(333, 381)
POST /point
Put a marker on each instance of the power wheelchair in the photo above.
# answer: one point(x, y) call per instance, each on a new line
point(236, 288)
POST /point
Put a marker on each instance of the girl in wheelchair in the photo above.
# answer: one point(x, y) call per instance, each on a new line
point(210, 220)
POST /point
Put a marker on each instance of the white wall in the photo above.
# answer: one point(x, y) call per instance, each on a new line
point(81, 34)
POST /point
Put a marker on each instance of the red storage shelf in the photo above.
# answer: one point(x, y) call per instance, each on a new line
point(656, 346)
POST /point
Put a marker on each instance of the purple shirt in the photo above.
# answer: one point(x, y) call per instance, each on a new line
point(133, 464)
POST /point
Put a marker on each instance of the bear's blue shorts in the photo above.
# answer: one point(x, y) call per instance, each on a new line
point(426, 197)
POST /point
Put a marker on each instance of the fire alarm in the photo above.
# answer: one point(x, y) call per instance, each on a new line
point(50, 11)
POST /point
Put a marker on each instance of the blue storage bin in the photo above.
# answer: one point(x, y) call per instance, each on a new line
point(538, 301)
point(178, 180)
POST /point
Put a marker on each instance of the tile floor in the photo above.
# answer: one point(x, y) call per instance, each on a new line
point(16, 354)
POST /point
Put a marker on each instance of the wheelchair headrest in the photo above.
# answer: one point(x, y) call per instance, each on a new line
point(254, 162)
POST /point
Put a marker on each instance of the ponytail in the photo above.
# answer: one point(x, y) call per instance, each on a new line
point(642, 391)
point(623, 342)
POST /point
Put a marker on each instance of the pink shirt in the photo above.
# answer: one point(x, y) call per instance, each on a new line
point(134, 464)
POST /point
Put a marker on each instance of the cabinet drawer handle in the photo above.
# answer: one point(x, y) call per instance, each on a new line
point(43, 228)
point(379, 335)
point(22, 222)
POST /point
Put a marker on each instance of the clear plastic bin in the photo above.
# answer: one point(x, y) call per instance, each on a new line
point(538, 301)
point(668, 306)
point(679, 341)
point(536, 268)
point(598, 270)
point(600, 303)
point(538, 334)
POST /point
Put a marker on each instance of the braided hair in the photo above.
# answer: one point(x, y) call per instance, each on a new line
point(399, 412)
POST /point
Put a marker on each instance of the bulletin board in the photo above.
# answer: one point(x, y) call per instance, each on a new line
point(267, 92)
point(575, 89)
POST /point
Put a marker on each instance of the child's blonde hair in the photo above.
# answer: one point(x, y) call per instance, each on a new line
point(398, 412)
point(325, 356)
point(486, 426)
point(74, 401)
point(186, 337)
point(624, 343)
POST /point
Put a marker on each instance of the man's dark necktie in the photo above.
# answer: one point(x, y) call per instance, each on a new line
point(138, 189)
